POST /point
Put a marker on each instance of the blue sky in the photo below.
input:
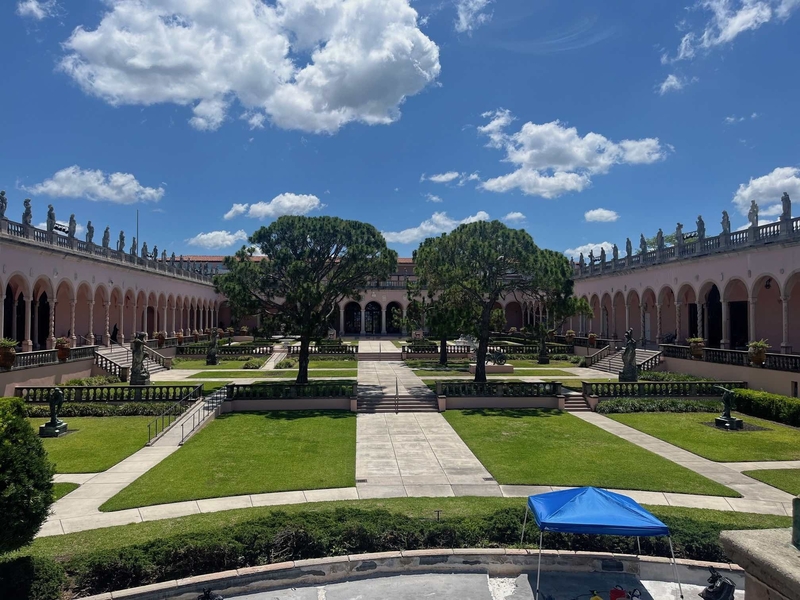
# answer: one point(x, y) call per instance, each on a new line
point(581, 122)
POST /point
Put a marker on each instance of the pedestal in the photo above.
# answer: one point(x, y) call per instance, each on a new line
point(50, 431)
point(493, 369)
point(728, 423)
point(629, 375)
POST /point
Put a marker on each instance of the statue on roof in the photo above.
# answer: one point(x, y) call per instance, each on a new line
point(27, 214)
point(155, 253)
point(120, 241)
point(145, 253)
point(51, 218)
point(581, 261)
point(164, 256)
point(786, 204)
point(134, 248)
point(615, 253)
point(172, 260)
point(89, 233)
point(660, 240)
point(679, 233)
point(3, 204)
point(726, 223)
point(106, 237)
point(752, 214)
point(602, 255)
point(701, 227)
point(628, 248)
point(642, 244)
point(72, 227)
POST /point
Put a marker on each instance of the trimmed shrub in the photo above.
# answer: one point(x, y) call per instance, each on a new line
point(97, 380)
point(773, 407)
point(574, 359)
point(26, 477)
point(670, 376)
point(32, 577)
point(288, 363)
point(254, 363)
point(677, 405)
point(96, 409)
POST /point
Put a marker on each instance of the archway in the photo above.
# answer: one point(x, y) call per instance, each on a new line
point(513, 315)
point(768, 312)
point(634, 314)
point(394, 313)
point(737, 323)
point(686, 313)
point(711, 300)
point(372, 318)
point(668, 315)
point(352, 318)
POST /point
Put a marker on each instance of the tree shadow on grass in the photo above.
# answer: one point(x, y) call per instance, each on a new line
point(513, 413)
point(293, 415)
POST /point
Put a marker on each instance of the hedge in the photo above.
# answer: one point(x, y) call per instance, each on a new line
point(773, 407)
point(670, 376)
point(100, 409)
point(678, 405)
point(33, 578)
point(281, 537)
point(97, 380)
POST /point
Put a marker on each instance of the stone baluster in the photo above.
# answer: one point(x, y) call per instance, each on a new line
point(27, 345)
point(51, 337)
point(90, 337)
point(74, 336)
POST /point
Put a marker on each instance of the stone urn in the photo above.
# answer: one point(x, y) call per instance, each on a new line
point(696, 346)
point(757, 352)
point(593, 340)
point(179, 336)
point(8, 353)
point(570, 336)
point(62, 349)
point(161, 338)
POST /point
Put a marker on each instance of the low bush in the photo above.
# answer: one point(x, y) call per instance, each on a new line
point(773, 407)
point(254, 363)
point(92, 381)
point(670, 376)
point(281, 537)
point(97, 409)
point(574, 359)
point(287, 363)
point(337, 358)
point(678, 405)
point(33, 578)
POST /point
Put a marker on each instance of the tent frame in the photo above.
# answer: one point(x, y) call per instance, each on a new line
point(541, 539)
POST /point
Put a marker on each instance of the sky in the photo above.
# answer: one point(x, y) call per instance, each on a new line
point(582, 122)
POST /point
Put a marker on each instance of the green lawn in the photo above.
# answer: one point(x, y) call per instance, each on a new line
point(62, 547)
point(787, 480)
point(201, 364)
point(333, 364)
point(532, 364)
point(62, 489)
point(96, 443)
point(550, 447)
point(516, 373)
point(251, 453)
point(276, 374)
point(687, 430)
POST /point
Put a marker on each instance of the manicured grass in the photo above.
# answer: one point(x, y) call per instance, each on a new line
point(333, 364)
point(543, 372)
point(96, 443)
point(532, 364)
point(516, 373)
point(787, 480)
point(251, 453)
point(201, 364)
point(687, 430)
point(62, 489)
point(550, 447)
point(276, 374)
point(63, 547)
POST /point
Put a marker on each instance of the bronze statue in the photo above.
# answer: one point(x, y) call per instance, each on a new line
point(56, 401)
point(726, 420)
point(3, 204)
point(211, 356)
point(629, 371)
point(89, 233)
point(27, 214)
point(51, 218)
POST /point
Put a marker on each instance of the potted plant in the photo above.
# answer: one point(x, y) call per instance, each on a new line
point(196, 336)
point(161, 338)
point(592, 339)
point(179, 335)
point(696, 346)
point(551, 334)
point(570, 336)
point(243, 330)
point(758, 352)
point(62, 349)
point(8, 353)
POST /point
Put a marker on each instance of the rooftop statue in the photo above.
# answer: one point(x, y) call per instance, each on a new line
point(164, 256)
point(642, 244)
point(726, 223)
point(628, 248)
point(89, 233)
point(134, 247)
point(155, 253)
point(581, 261)
point(72, 227)
point(679, 233)
point(785, 202)
point(615, 253)
point(172, 260)
point(120, 242)
point(145, 254)
point(51, 218)
point(660, 239)
point(752, 214)
point(701, 227)
point(3, 204)
point(27, 214)
point(602, 255)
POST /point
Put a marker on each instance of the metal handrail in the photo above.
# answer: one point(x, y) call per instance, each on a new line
point(169, 416)
point(210, 405)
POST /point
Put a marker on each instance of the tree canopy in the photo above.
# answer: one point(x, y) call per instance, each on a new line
point(310, 264)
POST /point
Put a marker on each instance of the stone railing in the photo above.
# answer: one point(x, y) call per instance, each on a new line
point(675, 351)
point(736, 358)
point(108, 393)
point(326, 349)
point(593, 359)
point(510, 390)
point(158, 358)
point(39, 358)
point(202, 350)
point(692, 245)
point(658, 389)
point(112, 367)
point(74, 245)
point(267, 391)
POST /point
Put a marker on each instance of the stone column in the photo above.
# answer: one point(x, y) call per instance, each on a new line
point(678, 306)
point(627, 316)
point(172, 329)
point(144, 320)
point(699, 319)
point(51, 337)
point(726, 329)
point(107, 319)
point(164, 318)
point(36, 325)
point(614, 320)
point(785, 348)
point(90, 337)
point(27, 345)
point(363, 322)
point(658, 323)
point(642, 313)
point(383, 320)
point(121, 336)
point(2, 312)
point(751, 321)
point(14, 316)
point(74, 339)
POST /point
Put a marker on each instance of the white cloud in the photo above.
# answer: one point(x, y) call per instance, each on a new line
point(600, 215)
point(767, 191)
point(37, 9)
point(733, 119)
point(672, 83)
point(79, 229)
point(438, 223)
point(728, 20)
point(470, 14)
point(586, 248)
point(551, 159)
point(471, 177)
point(217, 239)
point(235, 211)
point(442, 177)
point(432, 198)
point(74, 182)
point(514, 217)
point(313, 65)
point(285, 204)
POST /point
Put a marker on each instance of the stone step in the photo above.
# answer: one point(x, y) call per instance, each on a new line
point(404, 404)
point(380, 356)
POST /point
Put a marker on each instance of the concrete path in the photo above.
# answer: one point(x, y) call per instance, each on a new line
point(416, 454)
point(377, 346)
point(382, 379)
point(761, 465)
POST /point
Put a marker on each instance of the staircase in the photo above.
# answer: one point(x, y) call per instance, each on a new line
point(381, 356)
point(402, 404)
point(576, 403)
point(122, 356)
point(645, 360)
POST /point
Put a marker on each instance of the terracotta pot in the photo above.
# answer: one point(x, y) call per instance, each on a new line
point(8, 357)
point(63, 353)
point(758, 356)
point(569, 338)
point(696, 349)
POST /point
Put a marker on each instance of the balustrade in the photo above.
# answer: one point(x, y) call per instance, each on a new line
point(453, 389)
point(108, 393)
point(654, 389)
point(325, 349)
point(270, 391)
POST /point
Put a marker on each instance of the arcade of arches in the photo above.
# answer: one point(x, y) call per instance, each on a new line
point(726, 316)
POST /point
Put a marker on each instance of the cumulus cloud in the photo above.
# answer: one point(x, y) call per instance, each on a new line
point(235, 211)
point(552, 159)
point(74, 182)
point(733, 119)
point(217, 239)
point(514, 217)
point(600, 215)
point(37, 9)
point(442, 177)
point(433, 198)
point(672, 83)
point(471, 14)
point(312, 65)
point(438, 223)
point(284, 204)
point(767, 191)
point(586, 248)
point(727, 20)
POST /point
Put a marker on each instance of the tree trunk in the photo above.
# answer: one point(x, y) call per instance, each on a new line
point(483, 344)
point(302, 372)
point(443, 351)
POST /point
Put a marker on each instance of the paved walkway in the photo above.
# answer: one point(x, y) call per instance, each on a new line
point(369, 346)
point(382, 379)
point(416, 454)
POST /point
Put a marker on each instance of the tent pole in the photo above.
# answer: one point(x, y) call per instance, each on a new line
point(675, 564)
point(539, 566)
point(524, 523)
point(639, 545)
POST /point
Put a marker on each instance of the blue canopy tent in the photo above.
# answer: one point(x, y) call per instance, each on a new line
point(592, 511)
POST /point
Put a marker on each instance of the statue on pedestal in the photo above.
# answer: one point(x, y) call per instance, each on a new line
point(629, 372)
point(752, 214)
point(89, 233)
point(106, 237)
point(628, 249)
point(642, 245)
point(51, 218)
point(3, 204)
point(145, 254)
point(615, 254)
point(139, 373)
point(701, 227)
point(726, 223)
point(54, 427)
point(211, 356)
point(725, 420)
point(602, 257)
point(786, 204)
point(172, 260)
point(679, 233)
point(72, 227)
point(660, 240)
point(121, 242)
point(581, 262)
point(134, 248)
point(164, 256)
point(27, 214)
point(155, 253)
